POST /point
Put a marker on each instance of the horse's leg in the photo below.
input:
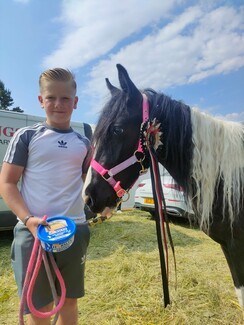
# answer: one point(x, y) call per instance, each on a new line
point(234, 253)
point(231, 240)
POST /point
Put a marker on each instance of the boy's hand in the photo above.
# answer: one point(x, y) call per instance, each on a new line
point(33, 223)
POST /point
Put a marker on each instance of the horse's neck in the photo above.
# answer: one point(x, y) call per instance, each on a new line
point(173, 170)
point(176, 152)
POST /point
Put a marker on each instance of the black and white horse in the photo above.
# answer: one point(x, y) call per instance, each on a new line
point(205, 155)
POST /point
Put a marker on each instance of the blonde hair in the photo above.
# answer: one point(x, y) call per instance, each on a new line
point(57, 74)
point(218, 155)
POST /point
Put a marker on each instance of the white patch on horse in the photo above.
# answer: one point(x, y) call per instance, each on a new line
point(218, 152)
point(240, 295)
point(87, 182)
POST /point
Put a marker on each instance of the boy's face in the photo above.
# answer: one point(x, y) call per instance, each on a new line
point(58, 100)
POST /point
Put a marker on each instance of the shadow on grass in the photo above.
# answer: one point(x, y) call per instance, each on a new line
point(133, 236)
point(6, 238)
point(135, 233)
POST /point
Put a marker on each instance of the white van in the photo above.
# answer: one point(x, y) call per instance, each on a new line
point(9, 123)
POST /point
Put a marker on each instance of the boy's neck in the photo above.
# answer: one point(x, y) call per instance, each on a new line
point(58, 126)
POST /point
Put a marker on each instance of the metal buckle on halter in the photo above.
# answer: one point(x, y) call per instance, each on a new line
point(127, 198)
point(121, 192)
point(106, 176)
point(120, 196)
point(143, 170)
point(137, 154)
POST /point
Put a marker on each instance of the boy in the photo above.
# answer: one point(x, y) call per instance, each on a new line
point(52, 160)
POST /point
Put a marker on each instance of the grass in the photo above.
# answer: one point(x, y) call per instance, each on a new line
point(123, 279)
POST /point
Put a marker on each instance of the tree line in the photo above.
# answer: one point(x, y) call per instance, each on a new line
point(6, 100)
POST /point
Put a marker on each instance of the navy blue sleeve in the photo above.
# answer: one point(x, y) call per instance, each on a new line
point(17, 151)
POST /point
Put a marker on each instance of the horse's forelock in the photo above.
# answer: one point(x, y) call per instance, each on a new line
point(112, 109)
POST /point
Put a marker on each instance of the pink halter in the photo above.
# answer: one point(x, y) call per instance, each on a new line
point(108, 174)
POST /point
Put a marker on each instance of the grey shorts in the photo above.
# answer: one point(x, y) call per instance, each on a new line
point(71, 263)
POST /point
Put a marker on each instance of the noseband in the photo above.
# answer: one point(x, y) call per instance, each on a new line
point(138, 157)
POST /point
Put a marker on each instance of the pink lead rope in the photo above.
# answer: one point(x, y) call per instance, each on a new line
point(37, 255)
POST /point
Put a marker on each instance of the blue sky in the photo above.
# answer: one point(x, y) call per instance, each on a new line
point(190, 50)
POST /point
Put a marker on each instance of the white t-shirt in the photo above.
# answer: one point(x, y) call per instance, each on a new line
point(51, 182)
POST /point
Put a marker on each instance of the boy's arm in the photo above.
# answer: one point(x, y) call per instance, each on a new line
point(9, 177)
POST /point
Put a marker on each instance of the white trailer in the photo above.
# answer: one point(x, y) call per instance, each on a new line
point(9, 123)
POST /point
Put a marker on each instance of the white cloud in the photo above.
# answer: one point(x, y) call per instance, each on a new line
point(222, 48)
point(236, 117)
point(190, 48)
point(93, 27)
point(197, 42)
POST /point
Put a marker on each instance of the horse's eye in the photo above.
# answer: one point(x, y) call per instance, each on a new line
point(118, 130)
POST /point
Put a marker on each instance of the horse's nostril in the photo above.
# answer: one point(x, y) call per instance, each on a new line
point(90, 202)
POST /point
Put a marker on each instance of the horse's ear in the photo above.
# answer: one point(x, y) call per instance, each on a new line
point(125, 82)
point(111, 88)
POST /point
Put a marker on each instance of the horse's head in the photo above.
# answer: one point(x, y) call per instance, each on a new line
point(115, 166)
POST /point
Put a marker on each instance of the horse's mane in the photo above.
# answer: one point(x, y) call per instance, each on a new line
point(201, 151)
point(218, 156)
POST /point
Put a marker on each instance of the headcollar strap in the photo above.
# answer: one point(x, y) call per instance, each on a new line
point(145, 108)
point(108, 174)
point(145, 116)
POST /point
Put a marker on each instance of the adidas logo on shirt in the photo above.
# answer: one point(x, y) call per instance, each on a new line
point(62, 144)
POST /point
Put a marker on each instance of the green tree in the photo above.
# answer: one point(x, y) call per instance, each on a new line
point(17, 109)
point(6, 99)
